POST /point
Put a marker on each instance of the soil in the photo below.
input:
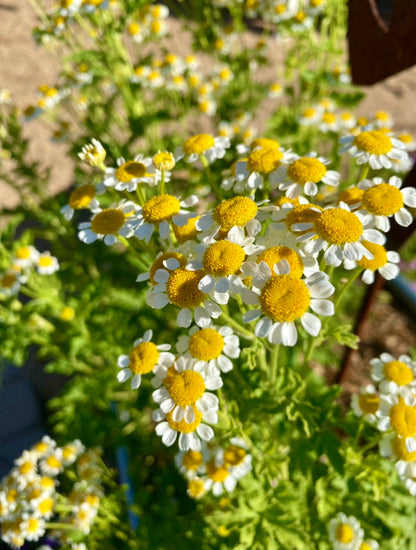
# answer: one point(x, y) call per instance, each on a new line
point(24, 66)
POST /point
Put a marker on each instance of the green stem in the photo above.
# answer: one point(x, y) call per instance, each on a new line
point(243, 331)
point(59, 526)
point(347, 285)
point(364, 172)
point(126, 243)
point(162, 183)
point(275, 363)
point(214, 186)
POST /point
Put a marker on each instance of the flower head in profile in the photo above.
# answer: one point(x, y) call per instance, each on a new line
point(93, 153)
point(143, 358)
point(398, 412)
point(46, 264)
point(345, 532)
point(129, 174)
point(366, 403)
point(109, 223)
point(203, 145)
point(385, 262)
point(375, 147)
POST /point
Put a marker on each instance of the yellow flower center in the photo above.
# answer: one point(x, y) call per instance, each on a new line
point(45, 506)
point(81, 197)
point(130, 170)
point(309, 113)
point(12, 495)
point(351, 196)
point(196, 487)
point(338, 226)
point(399, 449)
point(187, 232)
point(53, 462)
point(365, 546)
point(403, 419)
point(158, 263)
point(234, 455)
point(328, 118)
point(41, 447)
point(302, 213)
point(369, 403)
point(164, 160)
point(198, 144)
point(383, 199)
point(206, 344)
point(192, 460)
point(108, 221)
point(23, 253)
point(264, 160)
point(223, 258)
point(382, 116)
point(187, 387)
point(264, 143)
point(284, 298)
point(92, 500)
point(275, 254)
point(183, 426)
point(406, 138)
point(32, 525)
point(143, 358)
point(69, 451)
point(47, 482)
point(300, 16)
point(344, 533)
point(26, 468)
point(160, 208)
point(398, 372)
point(216, 473)
point(373, 142)
point(182, 288)
point(7, 281)
point(379, 253)
point(306, 169)
point(45, 261)
point(235, 211)
point(67, 313)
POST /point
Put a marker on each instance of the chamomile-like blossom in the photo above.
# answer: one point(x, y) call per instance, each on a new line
point(159, 211)
point(383, 119)
point(261, 166)
point(109, 223)
point(166, 261)
point(238, 211)
point(71, 451)
point(237, 457)
point(26, 256)
point(284, 299)
point(182, 387)
point(196, 487)
point(310, 116)
point(303, 174)
point(366, 403)
point(32, 528)
point(46, 264)
point(211, 148)
point(374, 147)
point(143, 358)
point(340, 232)
point(393, 446)
point(93, 153)
point(25, 469)
point(129, 174)
point(408, 140)
point(192, 463)
point(385, 199)
point(52, 464)
point(328, 122)
point(10, 282)
point(190, 434)
point(345, 532)
point(221, 261)
point(385, 262)
point(212, 348)
point(82, 198)
point(219, 477)
point(180, 287)
point(398, 412)
point(393, 374)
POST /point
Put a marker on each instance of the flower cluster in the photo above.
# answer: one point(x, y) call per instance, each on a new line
point(31, 503)
point(26, 259)
point(214, 468)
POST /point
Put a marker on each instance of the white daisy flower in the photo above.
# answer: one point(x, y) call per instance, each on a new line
point(190, 434)
point(144, 358)
point(340, 232)
point(129, 173)
point(392, 374)
point(159, 211)
point(220, 477)
point(385, 262)
point(310, 116)
point(221, 262)
point(374, 147)
point(196, 487)
point(383, 200)
point(383, 119)
point(203, 145)
point(407, 473)
point(345, 532)
point(166, 261)
point(393, 446)
point(26, 256)
point(25, 469)
point(43, 447)
point(71, 451)
point(52, 464)
point(46, 264)
point(303, 174)
point(181, 288)
point(107, 224)
point(328, 122)
point(82, 198)
point(237, 458)
point(185, 387)
point(32, 528)
point(10, 282)
point(192, 463)
point(284, 299)
point(212, 348)
point(366, 403)
point(93, 153)
point(238, 211)
point(398, 412)
point(408, 140)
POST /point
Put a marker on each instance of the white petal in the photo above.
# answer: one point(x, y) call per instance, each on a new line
point(289, 334)
point(368, 277)
point(410, 444)
point(403, 217)
point(123, 361)
point(389, 271)
point(205, 432)
point(184, 318)
point(189, 414)
point(322, 307)
point(206, 284)
point(169, 437)
point(409, 196)
point(136, 381)
point(311, 324)
point(178, 413)
point(123, 375)
point(184, 442)
point(251, 315)
point(263, 327)
point(159, 301)
point(167, 405)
